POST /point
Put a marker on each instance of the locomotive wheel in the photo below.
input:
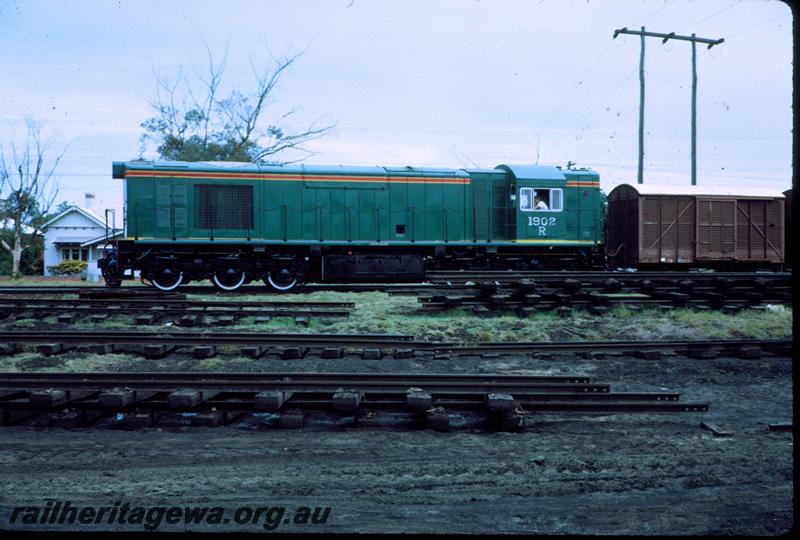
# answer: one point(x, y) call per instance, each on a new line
point(228, 280)
point(167, 279)
point(283, 280)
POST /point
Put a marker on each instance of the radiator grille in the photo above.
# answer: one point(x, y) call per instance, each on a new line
point(224, 207)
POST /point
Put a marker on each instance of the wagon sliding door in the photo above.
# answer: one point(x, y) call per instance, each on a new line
point(667, 229)
point(759, 230)
point(716, 229)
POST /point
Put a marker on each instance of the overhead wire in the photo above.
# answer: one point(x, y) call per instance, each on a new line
point(668, 82)
point(586, 76)
point(571, 93)
point(759, 25)
point(585, 117)
point(704, 19)
point(653, 13)
point(630, 111)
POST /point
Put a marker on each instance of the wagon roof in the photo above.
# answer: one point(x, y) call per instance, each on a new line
point(719, 191)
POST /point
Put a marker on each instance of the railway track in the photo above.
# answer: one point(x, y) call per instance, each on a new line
point(482, 292)
point(437, 278)
point(286, 399)
point(252, 289)
point(152, 310)
point(369, 346)
point(598, 290)
point(596, 304)
point(462, 276)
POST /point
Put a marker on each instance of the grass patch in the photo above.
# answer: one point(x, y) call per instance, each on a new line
point(64, 363)
point(380, 313)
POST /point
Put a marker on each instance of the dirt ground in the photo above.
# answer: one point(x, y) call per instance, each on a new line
point(566, 473)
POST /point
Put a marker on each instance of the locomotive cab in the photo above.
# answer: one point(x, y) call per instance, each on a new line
point(540, 210)
point(556, 207)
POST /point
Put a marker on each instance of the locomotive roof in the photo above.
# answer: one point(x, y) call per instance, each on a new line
point(119, 169)
point(519, 172)
point(545, 172)
point(719, 191)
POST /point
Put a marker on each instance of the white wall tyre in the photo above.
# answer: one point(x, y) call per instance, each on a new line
point(167, 280)
point(229, 280)
point(282, 283)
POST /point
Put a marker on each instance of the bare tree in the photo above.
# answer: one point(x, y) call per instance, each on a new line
point(193, 123)
point(28, 188)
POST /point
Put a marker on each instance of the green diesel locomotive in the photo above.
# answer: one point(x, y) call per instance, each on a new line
point(237, 223)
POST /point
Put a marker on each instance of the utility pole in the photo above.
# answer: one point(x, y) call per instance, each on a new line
point(640, 176)
point(664, 37)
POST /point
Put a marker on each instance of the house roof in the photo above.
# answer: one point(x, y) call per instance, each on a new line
point(87, 213)
point(102, 238)
point(68, 239)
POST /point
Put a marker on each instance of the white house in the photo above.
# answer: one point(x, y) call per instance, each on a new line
point(76, 233)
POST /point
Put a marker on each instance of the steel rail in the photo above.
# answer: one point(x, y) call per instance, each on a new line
point(429, 305)
point(472, 289)
point(152, 292)
point(197, 338)
point(535, 347)
point(590, 274)
point(322, 383)
point(295, 376)
point(432, 277)
point(376, 340)
point(6, 310)
point(145, 399)
point(542, 398)
point(573, 403)
point(151, 302)
point(238, 399)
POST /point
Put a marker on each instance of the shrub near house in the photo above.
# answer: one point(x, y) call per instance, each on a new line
point(69, 267)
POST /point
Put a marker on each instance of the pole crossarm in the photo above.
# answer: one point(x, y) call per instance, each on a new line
point(671, 35)
point(664, 38)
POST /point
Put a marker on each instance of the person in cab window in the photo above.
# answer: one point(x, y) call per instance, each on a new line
point(538, 203)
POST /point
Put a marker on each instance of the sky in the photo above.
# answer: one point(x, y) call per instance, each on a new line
point(426, 83)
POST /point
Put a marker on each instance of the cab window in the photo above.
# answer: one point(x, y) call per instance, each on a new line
point(541, 199)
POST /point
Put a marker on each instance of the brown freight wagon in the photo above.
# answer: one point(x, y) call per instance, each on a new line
point(695, 226)
point(787, 222)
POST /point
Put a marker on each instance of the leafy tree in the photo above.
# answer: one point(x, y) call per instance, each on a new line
point(63, 206)
point(32, 261)
point(28, 188)
point(193, 122)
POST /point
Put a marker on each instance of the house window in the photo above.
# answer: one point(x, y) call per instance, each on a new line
point(74, 253)
point(541, 199)
point(224, 206)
